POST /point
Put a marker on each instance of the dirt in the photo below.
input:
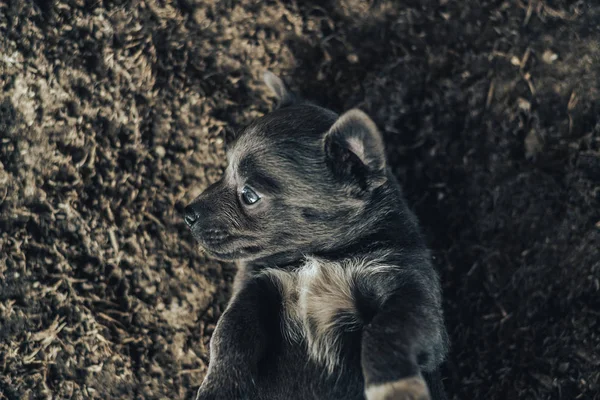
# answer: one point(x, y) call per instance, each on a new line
point(115, 114)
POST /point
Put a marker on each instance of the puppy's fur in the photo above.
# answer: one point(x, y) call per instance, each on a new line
point(335, 296)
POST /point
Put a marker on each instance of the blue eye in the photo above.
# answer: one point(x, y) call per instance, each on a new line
point(249, 196)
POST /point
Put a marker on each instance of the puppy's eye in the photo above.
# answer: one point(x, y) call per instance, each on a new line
point(249, 196)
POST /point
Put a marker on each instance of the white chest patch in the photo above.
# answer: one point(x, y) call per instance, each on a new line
point(319, 303)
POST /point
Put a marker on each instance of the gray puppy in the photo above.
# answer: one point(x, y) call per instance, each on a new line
point(335, 297)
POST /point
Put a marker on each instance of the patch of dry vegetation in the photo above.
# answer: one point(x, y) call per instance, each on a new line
point(115, 113)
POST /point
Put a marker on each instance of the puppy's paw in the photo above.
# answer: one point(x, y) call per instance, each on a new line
point(413, 388)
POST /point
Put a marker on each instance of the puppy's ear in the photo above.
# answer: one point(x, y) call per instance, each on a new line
point(354, 150)
point(284, 95)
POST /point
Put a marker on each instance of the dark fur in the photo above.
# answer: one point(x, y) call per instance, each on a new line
point(331, 222)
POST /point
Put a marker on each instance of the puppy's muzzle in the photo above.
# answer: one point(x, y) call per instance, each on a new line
point(203, 229)
point(214, 236)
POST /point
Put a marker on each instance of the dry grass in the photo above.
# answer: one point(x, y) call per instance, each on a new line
point(113, 114)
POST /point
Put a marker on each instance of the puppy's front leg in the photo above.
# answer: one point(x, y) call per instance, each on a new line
point(404, 335)
point(240, 341)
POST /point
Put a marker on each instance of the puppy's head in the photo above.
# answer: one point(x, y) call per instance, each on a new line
point(299, 179)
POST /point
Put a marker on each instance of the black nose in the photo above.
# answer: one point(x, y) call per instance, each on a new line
point(190, 215)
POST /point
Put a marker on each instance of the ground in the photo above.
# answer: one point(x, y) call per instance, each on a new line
point(115, 114)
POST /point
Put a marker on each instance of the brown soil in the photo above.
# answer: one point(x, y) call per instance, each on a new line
point(113, 114)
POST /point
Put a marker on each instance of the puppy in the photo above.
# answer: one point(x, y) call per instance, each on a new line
point(335, 295)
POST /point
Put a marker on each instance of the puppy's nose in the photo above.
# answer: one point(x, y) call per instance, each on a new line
point(190, 215)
